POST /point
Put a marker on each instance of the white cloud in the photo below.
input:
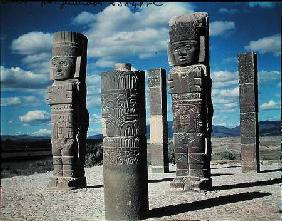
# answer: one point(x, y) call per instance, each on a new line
point(267, 76)
point(228, 11)
point(12, 101)
point(221, 27)
point(225, 78)
point(269, 44)
point(84, 18)
point(36, 50)
point(36, 116)
point(32, 43)
point(142, 34)
point(263, 4)
point(271, 105)
point(42, 132)
point(15, 77)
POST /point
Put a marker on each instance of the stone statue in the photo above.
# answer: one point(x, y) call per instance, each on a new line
point(190, 88)
point(69, 116)
point(249, 111)
point(124, 144)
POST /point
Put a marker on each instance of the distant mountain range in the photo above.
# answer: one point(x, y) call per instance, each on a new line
point(266, 128)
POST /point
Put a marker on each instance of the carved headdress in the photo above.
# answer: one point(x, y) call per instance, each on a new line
point(187, 27)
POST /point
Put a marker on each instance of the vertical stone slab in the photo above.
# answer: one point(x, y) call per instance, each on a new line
point(69, 116)
point(158, 120)
point(124, 144)
point(190, 87)
point(248, 95)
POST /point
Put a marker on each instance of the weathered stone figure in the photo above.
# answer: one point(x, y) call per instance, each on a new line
point(124, 144)
point(249, 111)
point(190, 87)
point(158, 120)
point(69, 116)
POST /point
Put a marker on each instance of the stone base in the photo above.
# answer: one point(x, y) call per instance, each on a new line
point(62, 183)
point(160, 169)
point(192, 183)
point(197, 184)
point(249, 167)
point(178, 182)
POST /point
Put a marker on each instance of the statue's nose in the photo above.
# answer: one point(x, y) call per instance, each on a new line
point(182, 51)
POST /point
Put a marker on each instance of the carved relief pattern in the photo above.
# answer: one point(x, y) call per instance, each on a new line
point(124, 112)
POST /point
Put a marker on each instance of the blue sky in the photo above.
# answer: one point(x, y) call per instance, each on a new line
point(138, 36)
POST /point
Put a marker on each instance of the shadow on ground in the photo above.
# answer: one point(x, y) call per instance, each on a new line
point(268, 171)
point(158, 181)
point(94, 187)
point(246, 185)
point(222, 174)
point(203, 204)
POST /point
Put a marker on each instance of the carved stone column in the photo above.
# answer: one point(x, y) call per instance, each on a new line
point(124, 145)
point(249, 111)
point(158, 120)
point(190, 88)
point(69, 116)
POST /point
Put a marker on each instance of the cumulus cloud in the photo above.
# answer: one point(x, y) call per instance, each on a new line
point(13, 101)
point(271, 105)
point(221, 27)
point(35, 47)
point(267, 76)
point(84, 18)
point(36, 116)
point(263, 4)
point(42, 132)
point(142, 34)
point(228, 11)
point(15, 77)
point(269, 44)
point(222, 79)
point(32, 43)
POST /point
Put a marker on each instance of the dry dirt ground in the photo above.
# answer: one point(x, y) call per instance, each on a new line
point(235, 196)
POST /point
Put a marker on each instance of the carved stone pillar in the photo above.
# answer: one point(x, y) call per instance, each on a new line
point(124, 144)
point(190, 88)
point(158, 120)
point(249, 111)
point(69, 116)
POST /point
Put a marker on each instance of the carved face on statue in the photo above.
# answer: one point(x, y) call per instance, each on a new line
point(185, 52)
point(63, 67)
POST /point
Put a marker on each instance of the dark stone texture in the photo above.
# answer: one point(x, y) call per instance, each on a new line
point(69, 116)
point(249, 111)
point(190, 87)
point(124, 144)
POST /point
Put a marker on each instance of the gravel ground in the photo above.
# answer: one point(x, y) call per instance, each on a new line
point(235, 196)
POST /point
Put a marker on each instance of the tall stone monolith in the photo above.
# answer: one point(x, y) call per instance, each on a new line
point(69, 116)
point(190, 88)
point(158, 120)
point(124, 144)
point(248, 95)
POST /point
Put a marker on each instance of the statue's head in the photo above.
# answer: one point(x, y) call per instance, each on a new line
point(68, 55)
point(185, 33)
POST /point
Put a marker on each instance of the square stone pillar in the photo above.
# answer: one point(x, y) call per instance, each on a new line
point(248, 95)
point(158, 120)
